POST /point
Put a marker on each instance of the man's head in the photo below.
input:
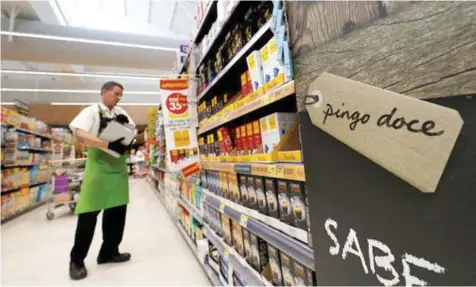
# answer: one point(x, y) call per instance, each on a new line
point(111, 93)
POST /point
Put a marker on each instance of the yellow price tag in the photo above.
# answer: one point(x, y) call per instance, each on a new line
point(205, 231)
point(280, 172)
point(272, 170)
point(222, 207)
point(243, 220)
point(226, 254)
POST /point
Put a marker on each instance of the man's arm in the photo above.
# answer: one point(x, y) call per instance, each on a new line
point(90, 140)
point(82, 125)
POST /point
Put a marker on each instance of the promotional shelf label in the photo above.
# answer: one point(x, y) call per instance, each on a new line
point(181, 144)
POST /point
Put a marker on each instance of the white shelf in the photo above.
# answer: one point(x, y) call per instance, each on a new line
point(238, 263)
point(271, 221)
point(192, 209)
point(239, 56)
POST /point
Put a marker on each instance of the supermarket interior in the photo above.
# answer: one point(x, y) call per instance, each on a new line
point(238, 143)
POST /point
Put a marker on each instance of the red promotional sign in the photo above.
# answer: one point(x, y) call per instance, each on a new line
point(177, 103)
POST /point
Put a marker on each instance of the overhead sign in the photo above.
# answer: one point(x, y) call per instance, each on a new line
point(411, 138)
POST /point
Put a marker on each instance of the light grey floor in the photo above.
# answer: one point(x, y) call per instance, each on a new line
point(36, 251)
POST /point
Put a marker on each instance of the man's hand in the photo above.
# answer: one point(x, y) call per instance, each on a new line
point(117, 146)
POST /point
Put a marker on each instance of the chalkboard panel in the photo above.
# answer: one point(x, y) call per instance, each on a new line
point(432, 237)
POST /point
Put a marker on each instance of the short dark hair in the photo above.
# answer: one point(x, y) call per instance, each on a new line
point(110, 85)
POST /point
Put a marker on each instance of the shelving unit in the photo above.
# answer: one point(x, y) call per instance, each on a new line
point(231, 99)
point(27, 149)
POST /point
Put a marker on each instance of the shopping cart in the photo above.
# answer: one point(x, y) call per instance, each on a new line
point(66, 183)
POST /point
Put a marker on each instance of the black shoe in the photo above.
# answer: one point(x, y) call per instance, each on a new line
point(77, 271)
point(118, 258)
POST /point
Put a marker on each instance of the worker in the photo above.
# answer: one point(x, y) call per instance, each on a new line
point(105, 182)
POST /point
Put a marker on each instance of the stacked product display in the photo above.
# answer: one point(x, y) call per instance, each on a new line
point(26, 152)
point(248, 201)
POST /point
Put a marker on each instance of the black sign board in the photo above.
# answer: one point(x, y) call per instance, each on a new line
point(371, 228)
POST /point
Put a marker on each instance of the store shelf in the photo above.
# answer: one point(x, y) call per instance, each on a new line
point(187, 238)
point(28, 131)
point(213, 276)
point(287, 244)
point(239, 56)
point(18, 165)
point(290, 171)
point(217, 36)
point(291, 231)
point(239, 264)
point(246, 106)
point(206, 18)
point(192, 209)
point(23, 211)
point(10, 189)
point(35, 149)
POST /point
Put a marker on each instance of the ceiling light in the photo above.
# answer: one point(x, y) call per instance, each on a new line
point(7, 103)
point(88, 75)
point(87, 104)
point(75, 91)
point(88, 41)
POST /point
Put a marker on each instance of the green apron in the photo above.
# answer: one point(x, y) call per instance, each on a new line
point(105, 181)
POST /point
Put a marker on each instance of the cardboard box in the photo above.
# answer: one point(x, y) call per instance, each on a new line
point(287, 269)
point(299, 205)
point(234, 187)
point(272, 202)
point(247, 242)
point(253, 199)
point(261, 195)
point(259, 249)
point(275, 265)
point(256, 69)
point(264, 53)
point(285, 208)
point(226, 226)
point(238, 144)
point(250, 137)
point(245, 199)
point(244, 139)
point(238, 243)
point(274, 127)
point(258, 142)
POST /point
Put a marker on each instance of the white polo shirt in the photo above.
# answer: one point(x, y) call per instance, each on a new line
point(88, 118)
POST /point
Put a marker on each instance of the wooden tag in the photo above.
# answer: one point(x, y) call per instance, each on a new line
point(411, 138)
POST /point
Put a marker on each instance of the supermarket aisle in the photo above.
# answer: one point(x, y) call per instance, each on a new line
point(36, 251)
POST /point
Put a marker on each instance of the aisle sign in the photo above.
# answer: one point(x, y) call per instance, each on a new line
point(371, 223)
point(181, 138)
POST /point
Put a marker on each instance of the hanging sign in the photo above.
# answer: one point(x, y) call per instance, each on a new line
point(181, 138)
point(411, 138)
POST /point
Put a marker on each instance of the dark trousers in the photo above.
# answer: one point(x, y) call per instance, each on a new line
point(113, 222)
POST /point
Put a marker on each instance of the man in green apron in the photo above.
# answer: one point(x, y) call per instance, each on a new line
point(105, 182)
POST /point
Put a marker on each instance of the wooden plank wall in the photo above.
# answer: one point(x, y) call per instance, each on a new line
point(421, 49)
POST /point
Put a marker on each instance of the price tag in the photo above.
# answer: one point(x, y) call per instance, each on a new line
point(272, 170)
point(243, 220)
point(279, 172)
point(226, 254)
point(222, 207)
point(205, 231)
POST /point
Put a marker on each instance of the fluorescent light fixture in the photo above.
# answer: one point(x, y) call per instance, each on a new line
point(7, 103)
point(87, 75)
point(126, 92)
point(87, 104)
point(88, 41)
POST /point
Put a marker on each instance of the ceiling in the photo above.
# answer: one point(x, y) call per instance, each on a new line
point(92, 36)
